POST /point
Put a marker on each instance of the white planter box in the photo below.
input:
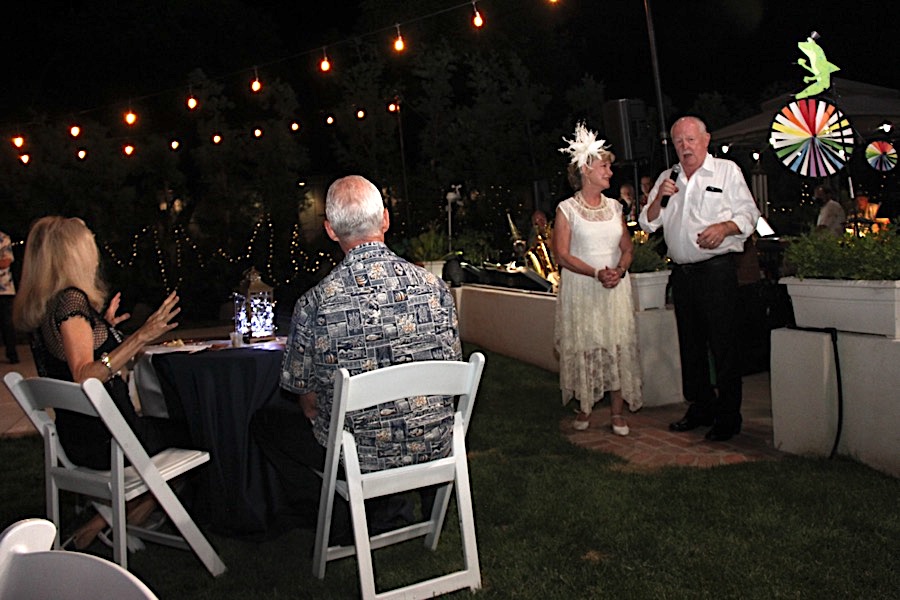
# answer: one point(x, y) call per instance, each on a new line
point(856, 306)
point(648, 290)
point(435, 266)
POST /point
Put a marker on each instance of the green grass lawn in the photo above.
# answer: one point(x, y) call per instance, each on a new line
point(558, 521)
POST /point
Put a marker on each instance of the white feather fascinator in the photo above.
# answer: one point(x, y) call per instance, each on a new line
point(585, 147)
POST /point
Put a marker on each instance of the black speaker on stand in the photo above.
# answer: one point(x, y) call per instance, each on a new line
point(628, 130)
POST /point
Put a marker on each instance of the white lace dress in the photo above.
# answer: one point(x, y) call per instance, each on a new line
point(595, 332)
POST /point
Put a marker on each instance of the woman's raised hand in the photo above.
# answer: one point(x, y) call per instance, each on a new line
point(113, 308)
point(161, 321)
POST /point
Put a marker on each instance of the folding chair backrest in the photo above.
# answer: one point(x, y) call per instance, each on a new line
point(421, 378)
point(28, 569)
point(34, 405)
point(408, 380)
point(118, 484)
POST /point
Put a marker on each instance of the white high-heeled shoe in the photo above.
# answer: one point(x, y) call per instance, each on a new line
point(579, 425)
point(619, 429)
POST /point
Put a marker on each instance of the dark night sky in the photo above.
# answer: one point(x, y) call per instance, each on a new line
point(69, 56)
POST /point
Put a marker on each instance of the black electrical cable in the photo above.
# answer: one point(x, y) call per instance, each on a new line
point(840, 382)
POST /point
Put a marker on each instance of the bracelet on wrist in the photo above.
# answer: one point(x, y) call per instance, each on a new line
point(104, 358)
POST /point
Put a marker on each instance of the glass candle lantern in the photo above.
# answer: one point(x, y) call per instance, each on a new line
point(254, 309)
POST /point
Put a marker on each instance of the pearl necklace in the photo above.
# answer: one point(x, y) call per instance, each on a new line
point(583, 203)
point(601, 212)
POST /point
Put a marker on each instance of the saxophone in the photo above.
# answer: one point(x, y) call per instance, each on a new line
point(540, 259)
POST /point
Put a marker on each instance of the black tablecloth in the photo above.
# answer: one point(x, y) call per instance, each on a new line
point(217, 392)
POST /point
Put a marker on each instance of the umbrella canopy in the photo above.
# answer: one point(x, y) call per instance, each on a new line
point(866, 106)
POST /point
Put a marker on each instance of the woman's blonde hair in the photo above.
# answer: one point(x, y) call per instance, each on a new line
point(573, 172)
point(60, 252)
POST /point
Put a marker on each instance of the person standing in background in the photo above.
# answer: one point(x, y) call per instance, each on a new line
point(627, 200)
point(831, 215)
point(7, 295)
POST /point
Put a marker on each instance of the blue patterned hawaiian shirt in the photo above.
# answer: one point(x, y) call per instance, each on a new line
point(374, 310)
point(7, 287)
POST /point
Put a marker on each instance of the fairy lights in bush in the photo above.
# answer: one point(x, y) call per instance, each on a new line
point(151, 240)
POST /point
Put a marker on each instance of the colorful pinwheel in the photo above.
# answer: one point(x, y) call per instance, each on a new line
point(881, 155)
point(812, 137)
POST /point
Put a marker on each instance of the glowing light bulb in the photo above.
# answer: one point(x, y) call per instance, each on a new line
point(191, 103)
point(295, 126)
point(216, 138)
point(18, 141)
point(257, 132)
point(329, 120)
point(174, 144)
point(75, 131)
point(130, 117)
point(477, 21)
point(256, 85)
point(24, 158)
point(81, 154)
point(393, 107)
point(360, 114)
point(399, 45)
point(128, 150)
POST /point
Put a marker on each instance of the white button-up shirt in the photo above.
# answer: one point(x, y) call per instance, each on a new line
point(715, 193)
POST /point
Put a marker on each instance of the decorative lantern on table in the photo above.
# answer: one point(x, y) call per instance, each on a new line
point(254, 309)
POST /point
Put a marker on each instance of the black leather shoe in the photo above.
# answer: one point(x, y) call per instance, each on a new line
point(724, 429)
point(688, 423)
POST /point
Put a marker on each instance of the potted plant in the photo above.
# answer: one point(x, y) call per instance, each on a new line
point(849, 283)
point(430, 250)
point(649, 273)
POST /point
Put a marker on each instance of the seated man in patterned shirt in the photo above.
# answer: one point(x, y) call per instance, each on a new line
point(373, 310)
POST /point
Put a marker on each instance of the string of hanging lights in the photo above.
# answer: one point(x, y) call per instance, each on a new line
point(325, 65)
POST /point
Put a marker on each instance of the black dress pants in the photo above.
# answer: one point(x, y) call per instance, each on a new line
point(706, 297)
point(285, 435)
point(7, 328)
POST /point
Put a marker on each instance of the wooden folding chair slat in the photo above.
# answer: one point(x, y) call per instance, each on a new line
point(119, 484)
point(452, 378)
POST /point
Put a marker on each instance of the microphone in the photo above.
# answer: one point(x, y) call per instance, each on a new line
point(676, 171)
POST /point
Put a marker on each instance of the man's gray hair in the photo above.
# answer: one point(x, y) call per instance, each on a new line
point(354, 208)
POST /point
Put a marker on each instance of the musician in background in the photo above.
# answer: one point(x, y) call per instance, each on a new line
point(539, 247)
point(866, 214)
point(864, 208)
point(541, 229)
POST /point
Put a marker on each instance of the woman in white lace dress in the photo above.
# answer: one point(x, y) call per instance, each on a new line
point(595, 332)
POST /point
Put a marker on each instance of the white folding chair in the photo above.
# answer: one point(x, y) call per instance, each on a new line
point(450, 378)
point(119, 484)
point(29, 569)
